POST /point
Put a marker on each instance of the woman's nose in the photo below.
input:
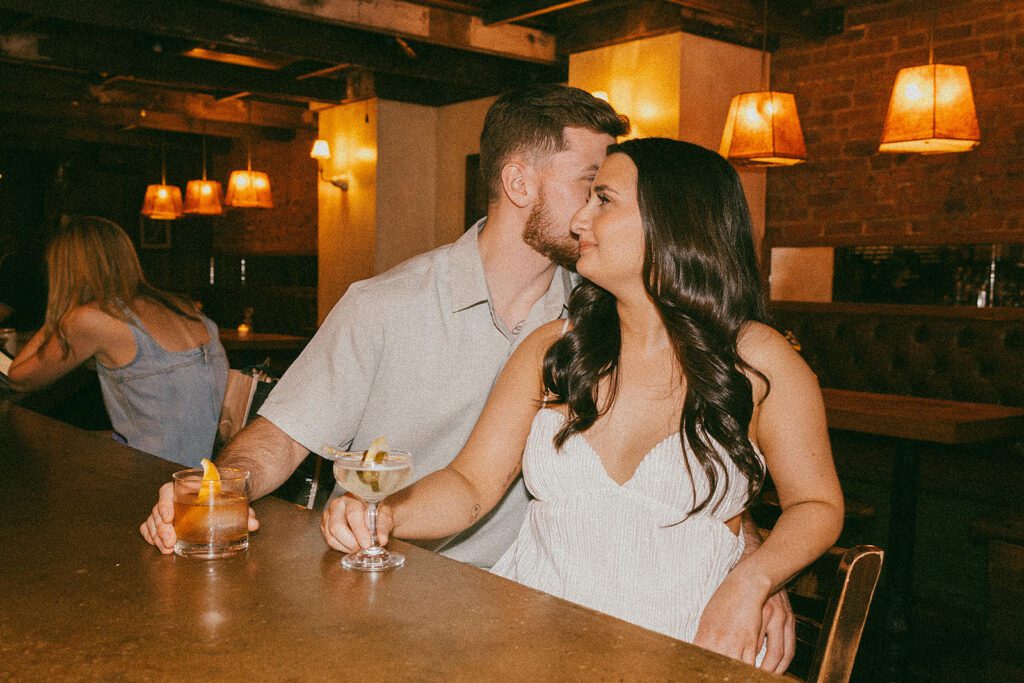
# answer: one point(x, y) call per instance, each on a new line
point(580, 221)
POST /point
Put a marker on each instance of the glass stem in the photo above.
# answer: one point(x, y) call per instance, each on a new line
point(371, 521)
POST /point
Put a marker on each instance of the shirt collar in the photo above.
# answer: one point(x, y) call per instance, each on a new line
point(468, 285)
point(466, 279)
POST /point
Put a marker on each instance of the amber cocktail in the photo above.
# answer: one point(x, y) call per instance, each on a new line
point(211, 512)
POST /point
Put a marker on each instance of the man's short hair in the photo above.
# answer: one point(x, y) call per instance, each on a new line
point(531, 121)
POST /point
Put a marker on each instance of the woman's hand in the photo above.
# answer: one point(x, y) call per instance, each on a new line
point(731, 621)
point(345, 527)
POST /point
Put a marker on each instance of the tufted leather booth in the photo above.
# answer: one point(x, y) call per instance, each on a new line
point(960, 354)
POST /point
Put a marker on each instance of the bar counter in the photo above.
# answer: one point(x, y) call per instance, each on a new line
point(82, 596)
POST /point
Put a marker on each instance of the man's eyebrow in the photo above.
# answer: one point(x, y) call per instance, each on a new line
point(593, 168)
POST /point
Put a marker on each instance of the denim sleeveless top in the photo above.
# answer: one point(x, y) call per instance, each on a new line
point(167, 403)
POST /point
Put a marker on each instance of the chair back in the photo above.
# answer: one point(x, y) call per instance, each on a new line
point(243, 397)
point(828, 638)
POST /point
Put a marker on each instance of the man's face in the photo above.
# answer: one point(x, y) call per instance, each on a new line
point(565, 179)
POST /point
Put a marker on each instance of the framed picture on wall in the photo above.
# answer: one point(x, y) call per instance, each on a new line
point(154, 234)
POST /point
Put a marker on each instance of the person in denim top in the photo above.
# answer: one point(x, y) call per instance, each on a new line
point(161, 365)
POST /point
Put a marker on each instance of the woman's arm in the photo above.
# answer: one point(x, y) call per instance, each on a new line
point(792, 433)
point(40, 364)
point(452, 499)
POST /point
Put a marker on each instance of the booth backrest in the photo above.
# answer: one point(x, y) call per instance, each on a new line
point(960, 354)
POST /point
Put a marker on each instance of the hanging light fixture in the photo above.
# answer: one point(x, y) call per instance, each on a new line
point(931, 109)
point(762, 128)
point(163, 201)
point(249, 188)
point(203, 197)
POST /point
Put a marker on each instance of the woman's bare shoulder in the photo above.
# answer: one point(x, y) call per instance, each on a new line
point(767, 351)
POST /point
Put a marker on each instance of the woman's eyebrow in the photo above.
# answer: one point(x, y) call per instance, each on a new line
point(605, 189)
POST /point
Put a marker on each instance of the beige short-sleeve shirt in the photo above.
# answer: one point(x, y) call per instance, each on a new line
point(412, 355)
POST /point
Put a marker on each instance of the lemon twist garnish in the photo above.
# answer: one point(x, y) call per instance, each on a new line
point(377, 451)
point(210, 485)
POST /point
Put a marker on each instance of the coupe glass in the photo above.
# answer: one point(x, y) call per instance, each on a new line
point(372, 481)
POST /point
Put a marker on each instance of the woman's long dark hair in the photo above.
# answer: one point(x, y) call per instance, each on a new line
point(701, 271)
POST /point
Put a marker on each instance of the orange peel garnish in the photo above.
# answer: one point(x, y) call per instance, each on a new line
point(210, 485)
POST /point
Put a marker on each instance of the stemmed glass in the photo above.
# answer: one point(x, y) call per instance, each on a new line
point(371, 480)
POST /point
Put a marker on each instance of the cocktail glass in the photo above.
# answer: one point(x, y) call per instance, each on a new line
point(211, 518)
point(372, 481)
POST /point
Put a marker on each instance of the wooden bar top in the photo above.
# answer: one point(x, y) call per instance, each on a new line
point(82, 596)
point(921, 419)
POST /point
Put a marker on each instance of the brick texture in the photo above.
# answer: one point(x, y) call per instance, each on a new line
point(291, 226)
point(849, 192)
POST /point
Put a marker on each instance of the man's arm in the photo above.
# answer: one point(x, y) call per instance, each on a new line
point(268, 453)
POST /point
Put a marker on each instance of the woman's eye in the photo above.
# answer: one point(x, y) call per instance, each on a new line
point(602, 198)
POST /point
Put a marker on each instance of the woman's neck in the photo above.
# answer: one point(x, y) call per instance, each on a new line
point(641, 326)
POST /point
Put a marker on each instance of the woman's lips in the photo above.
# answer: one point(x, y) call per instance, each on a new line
point(586, 245)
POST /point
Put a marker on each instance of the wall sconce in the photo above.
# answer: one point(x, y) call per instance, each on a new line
point(322, 152)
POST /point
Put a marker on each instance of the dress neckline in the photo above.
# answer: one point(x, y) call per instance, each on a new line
point(600, 461)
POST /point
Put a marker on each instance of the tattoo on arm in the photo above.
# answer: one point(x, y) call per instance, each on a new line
point(474, 512)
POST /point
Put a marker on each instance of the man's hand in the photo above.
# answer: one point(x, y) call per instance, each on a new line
point(345, 527)
point(158, 529)
point(778, 626)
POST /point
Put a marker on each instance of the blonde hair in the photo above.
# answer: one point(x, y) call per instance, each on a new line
point(91, 259)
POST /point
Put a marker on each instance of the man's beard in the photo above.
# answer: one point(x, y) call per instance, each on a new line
point(541, 234)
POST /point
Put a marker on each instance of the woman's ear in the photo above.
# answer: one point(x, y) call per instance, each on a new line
point(517, 183)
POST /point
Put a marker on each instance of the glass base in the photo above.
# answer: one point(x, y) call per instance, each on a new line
point(210, 551)
point(373, 560)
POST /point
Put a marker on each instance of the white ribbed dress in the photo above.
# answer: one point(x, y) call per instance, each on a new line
point(629, 550)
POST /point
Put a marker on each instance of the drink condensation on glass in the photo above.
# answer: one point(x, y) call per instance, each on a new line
point(211, 517)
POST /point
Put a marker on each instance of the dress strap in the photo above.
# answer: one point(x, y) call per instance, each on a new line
point(565, 327)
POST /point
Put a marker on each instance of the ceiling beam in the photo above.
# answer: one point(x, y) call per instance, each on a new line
point(428, 24)
point(50, 94)
point(796, 18)
point(119, 54)
point(248, 29)
point(518, 10)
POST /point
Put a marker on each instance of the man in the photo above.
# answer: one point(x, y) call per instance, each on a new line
point(412, 354)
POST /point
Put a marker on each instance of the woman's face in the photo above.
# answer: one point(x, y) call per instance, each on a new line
point(609, 227)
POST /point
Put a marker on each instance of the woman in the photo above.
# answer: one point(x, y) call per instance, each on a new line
point(160, 363)
point(647, 420)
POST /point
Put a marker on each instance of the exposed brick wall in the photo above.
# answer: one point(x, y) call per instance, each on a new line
point(848, 192)
point(291, 226)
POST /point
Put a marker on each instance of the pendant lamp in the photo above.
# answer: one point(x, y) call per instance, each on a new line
point(249, 188)
point(163, 201)
point(931, 109)
point(762, 128)
point(203, 197)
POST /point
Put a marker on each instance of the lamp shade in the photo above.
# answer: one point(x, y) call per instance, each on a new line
point(931, 111)
point(249, 189)
point(162, 202)
point(763, 129)
point(321, 150)
point(203, 198)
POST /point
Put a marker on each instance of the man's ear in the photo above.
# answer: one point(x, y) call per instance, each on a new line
point(517, 183)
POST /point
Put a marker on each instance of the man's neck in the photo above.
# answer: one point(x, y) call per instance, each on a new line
point(517, 276)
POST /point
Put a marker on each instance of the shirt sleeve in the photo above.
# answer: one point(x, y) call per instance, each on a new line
point(322, 396)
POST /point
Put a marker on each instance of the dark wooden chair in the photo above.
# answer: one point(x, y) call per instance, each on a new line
point(311, 483)
point(831, 599)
